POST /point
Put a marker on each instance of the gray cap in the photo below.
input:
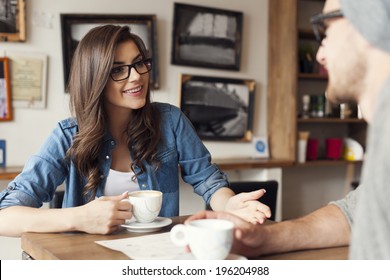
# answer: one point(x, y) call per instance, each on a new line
point(371, 18)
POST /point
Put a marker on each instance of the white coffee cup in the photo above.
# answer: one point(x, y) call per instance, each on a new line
point(208, 239)
point(146, 205)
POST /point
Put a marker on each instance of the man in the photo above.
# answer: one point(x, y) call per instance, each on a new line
point(357, 56)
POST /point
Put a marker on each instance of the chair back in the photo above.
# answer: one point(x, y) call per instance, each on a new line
point(56, 202)
point(269, 198)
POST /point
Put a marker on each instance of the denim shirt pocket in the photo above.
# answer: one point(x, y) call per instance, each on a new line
point(167, 174)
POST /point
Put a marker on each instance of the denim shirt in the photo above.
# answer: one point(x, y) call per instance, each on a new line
point(179, 146)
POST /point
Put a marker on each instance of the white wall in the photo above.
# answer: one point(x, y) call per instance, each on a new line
point(30, 127)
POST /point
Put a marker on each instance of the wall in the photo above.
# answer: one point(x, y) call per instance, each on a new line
point(307, 188)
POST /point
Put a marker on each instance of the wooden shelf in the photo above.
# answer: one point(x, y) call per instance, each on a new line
point(313, 0)
point(331, 120)
point(248, 163)
point(306, 34)
point(9, 173)
point(312, 76)
point(322, 163)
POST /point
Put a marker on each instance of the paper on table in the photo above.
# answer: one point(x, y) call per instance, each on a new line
point(148, 247)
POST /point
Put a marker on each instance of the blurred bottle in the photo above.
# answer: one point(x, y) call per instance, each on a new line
point(320, 106)
point(345, 111)
point(305, 106)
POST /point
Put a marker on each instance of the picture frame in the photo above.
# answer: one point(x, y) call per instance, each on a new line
point(5, 91)
point(28, 79)
point(220, 109)
point(3, 153)
point(13, 23)
point(206, 37)
point(75, 26)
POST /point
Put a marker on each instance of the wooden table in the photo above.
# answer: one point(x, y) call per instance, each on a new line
point(82, 246)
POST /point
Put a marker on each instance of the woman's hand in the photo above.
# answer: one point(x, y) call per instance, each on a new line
point(247, 206)
point(105, 214)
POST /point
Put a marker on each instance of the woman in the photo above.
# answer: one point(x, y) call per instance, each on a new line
point(118, 141)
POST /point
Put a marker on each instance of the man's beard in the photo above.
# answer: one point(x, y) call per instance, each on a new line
point(347, 88)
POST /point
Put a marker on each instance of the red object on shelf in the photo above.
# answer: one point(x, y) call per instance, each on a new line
point(334, 148)
point(312, 149)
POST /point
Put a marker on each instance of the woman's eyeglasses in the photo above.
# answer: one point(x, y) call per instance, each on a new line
point(319, 24)
point(122, 72)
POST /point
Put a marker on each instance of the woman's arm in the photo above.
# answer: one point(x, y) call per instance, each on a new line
point(101, 216)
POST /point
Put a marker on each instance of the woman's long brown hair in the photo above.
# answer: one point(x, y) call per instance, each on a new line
point(91, 65)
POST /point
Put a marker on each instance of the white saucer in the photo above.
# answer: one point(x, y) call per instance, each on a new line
point(134, 226)
point(190, 256)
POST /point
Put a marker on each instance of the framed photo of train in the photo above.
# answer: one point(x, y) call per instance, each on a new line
point(220, 109)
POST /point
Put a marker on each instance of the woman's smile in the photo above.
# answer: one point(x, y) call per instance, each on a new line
point(134, 91)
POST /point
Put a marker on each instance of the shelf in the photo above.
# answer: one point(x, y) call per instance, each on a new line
point(306, 34)
point(321, 163)
point(331, 120)
point(312, 76)
point(9, 173)
point(248, 163)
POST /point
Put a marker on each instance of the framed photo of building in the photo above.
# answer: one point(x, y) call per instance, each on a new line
point(219, 108)
point(12, 20)
point(206, 37)
point(75, 26)
point(5, 91)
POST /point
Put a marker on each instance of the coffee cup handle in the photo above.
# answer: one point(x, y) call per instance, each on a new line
point(179, 235)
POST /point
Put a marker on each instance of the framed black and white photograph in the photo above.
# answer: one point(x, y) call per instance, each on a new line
point(75, 26)
point(5, 91)
point(219, 108)
point(206, 37)
point(12, 20)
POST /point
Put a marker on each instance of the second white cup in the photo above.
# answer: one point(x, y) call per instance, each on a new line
point(208, 239)
point(146, 205)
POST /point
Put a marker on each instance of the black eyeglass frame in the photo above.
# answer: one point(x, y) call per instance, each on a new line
point(148, 62)
point(318, 22)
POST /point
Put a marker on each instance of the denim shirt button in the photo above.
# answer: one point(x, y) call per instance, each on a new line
point(144, 186)
point(112, 143)
point(9, 188)
point(101, 176)
point(107, 157)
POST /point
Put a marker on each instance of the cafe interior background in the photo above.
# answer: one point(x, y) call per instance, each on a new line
point(301, 189)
